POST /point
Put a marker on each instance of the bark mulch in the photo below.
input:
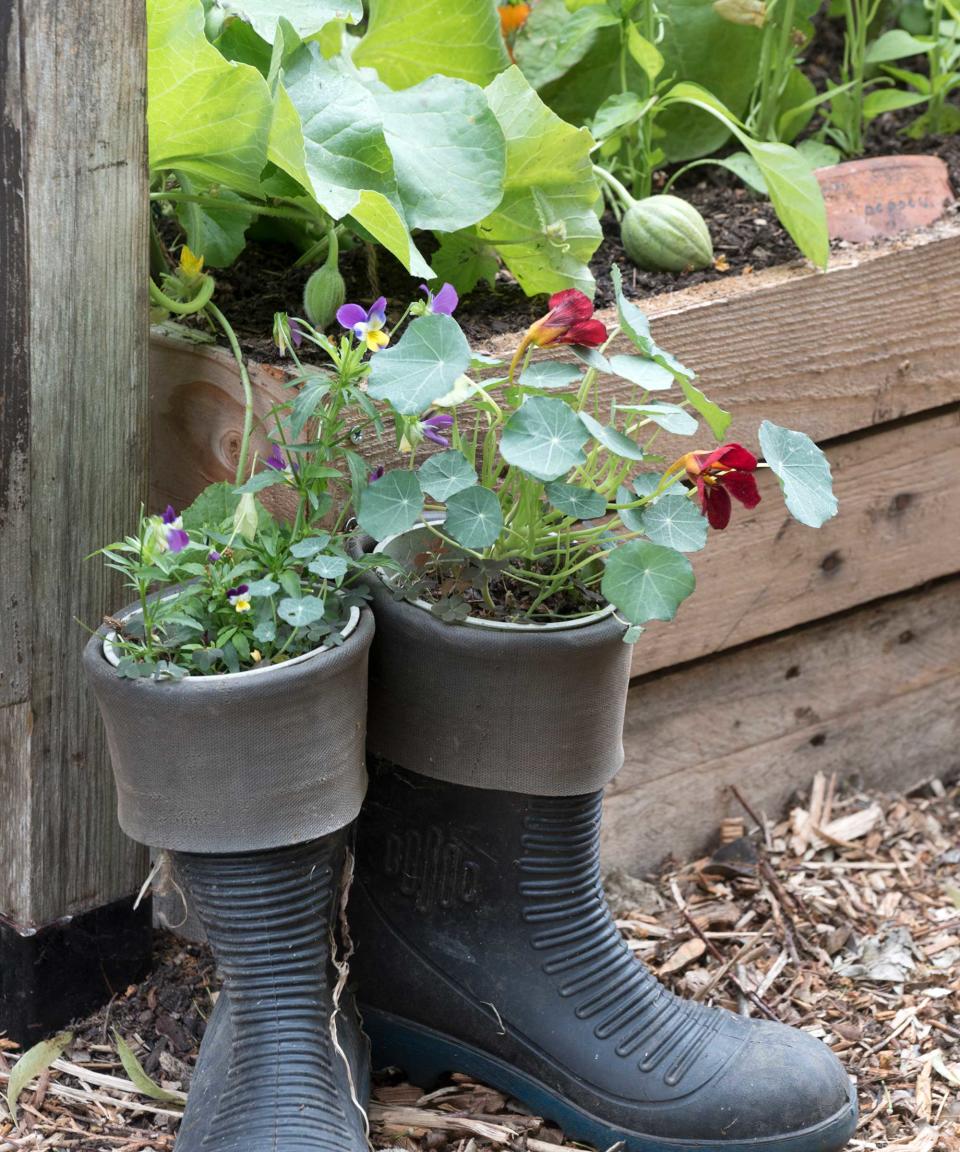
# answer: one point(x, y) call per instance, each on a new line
point(843, 919)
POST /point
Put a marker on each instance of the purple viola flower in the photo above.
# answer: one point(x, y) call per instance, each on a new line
point(177, 538)
point(296, 333)
point(434, 425)
point(376, 474)
point(444, 302)
point(366, 325)
point(213, 556)
point(239, 598)
point(278, 461)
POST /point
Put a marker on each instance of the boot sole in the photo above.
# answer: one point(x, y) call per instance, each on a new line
point(426, 1055)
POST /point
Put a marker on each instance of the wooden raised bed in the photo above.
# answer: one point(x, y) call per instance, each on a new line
point(745, 687)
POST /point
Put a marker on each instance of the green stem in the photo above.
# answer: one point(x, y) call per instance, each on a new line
point(624, 194)
point(247, 390)
point(184, 307)
point(220, 205)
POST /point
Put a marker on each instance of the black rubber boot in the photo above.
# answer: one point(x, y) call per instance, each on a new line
point(485, 946)
point(270, 1077)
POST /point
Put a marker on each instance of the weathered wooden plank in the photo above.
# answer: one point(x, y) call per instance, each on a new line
point(874, 694)
point(78, 406)
point(874, 339)
point(898, 526)
point(14, 372)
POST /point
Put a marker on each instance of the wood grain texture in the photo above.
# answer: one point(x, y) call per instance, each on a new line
point(14, 374)
point(872, 340)
point(898, 526)
point(83, 317)
point(874, 694)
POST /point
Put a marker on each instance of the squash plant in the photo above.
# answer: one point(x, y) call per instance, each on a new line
point(278, 111)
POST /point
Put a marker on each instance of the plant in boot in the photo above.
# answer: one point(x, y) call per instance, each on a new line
point(533, 544)
point(247, 762)
point(542, 506)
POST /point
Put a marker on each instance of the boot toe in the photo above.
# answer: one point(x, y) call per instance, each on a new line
point(781, 1082)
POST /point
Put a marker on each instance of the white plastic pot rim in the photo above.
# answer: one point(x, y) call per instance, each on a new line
point(388, 578)
point(112, 655)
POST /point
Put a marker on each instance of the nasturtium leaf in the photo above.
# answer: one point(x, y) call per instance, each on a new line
point(544, 438)
point(408, 40)
point(473, 517)
point(670, 417)
point(423, 365)
point(592, 357)
point(571, 500)
point(646, 581)
point(546, 227)
point(717, 418)
point(448, 152)
point(308, 548)
point(631, 518)
point(328, 567)
point(391, 504)
point(306, 16)
point(646, 373)
point(300, 611)
point(614, 441)
point(216, 234)
point(549, 374)
point(803, 472)
point(635, 325)
point(206, 116)
point(645, 484)
point(443, 475)
point(265, 587)
point(33, 1062)
point(676, 522)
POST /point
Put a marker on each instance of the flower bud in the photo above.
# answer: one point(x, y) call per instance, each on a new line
point(245, 518)
point(749, 12)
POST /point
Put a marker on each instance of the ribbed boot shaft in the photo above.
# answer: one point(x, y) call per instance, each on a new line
point(268, 920)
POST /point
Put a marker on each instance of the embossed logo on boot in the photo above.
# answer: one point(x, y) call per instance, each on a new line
point(431, 870)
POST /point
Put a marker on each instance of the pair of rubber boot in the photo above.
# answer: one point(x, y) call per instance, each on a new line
point(484, 945)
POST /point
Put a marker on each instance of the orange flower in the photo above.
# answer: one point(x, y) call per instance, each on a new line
point(513, 16)
point(726, 471)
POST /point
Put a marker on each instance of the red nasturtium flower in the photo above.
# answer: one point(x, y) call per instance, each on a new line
point(569, 321)
point(726, 471)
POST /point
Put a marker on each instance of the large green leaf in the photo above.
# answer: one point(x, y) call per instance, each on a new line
point(464, 260)
point(378, 215)
point(697, 45)
point(676, 522)
point(544, 49)
point(647, 581)
point(572, 500)
point(391, 504)
point(448, 152)
point(803, 472)
point(545, 228)
point(345, 148)
point(206, 116)
point(409, 40)
point(612, 439)
point(216, 234)
point(550, 374)
point(643, 372)
point(422, 366)
point(445, 474)
point(791, 184)
point(306, 16)
point(473, 517)
point(544, 437)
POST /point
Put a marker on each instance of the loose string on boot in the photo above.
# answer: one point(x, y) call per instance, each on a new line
point(161, 881)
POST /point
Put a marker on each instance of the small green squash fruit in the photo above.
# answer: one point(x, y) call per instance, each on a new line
point(666, 234)
point(325, 291)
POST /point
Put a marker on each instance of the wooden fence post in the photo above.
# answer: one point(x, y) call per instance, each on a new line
point(73, 471)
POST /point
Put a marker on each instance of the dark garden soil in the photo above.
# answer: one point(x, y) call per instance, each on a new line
point(746, 234)
point(843, 919)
